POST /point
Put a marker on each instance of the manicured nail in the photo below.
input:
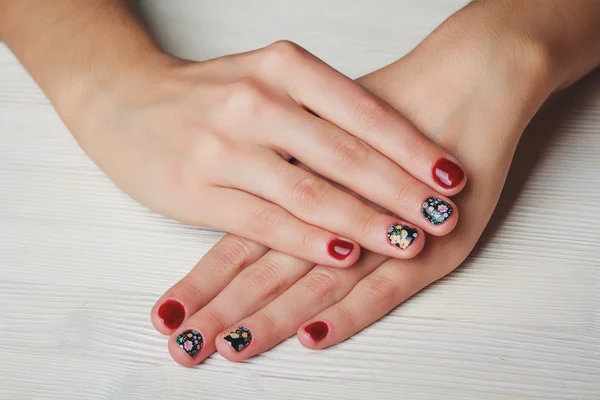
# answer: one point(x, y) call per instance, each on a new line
point(171, 313)
point(447, 174)
point(190, 341)
point(340, 249)
point(238, 339)
point(317, 330)
point(401, 236)
point(437, 211)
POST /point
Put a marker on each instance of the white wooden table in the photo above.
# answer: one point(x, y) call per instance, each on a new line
point(81, 264)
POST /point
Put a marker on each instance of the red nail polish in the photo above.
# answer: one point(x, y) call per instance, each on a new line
point(317, 330)
point(447, 174)
point(171, 313)
point(339, 249)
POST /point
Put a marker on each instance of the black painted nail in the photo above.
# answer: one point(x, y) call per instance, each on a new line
point(437, 211)
point(190, 341)
point(401, 236)
point(238, 339)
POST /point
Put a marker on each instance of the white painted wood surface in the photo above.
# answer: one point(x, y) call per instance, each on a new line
point(81, 264)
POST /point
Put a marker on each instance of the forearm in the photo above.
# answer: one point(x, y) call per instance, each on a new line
point(72, 47)
point(566, 32)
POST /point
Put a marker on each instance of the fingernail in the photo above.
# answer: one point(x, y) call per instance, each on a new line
point(317, 331)
point(171, 313)
point(447, 174)
point(437, 211)
point(401, 236)
point(190, 341)
point(239, 339)
point(340, 249)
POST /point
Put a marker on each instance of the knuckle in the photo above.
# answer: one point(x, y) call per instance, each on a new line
point(281, 54)
point(266, 280)
point(319, 286)
point(379, 289)
point(405, 194)
point(349, 153)
point(347, 317)
point(365, 226)
point(217, 318)
point(193, 287)
point(246, 95)
point(308, 193)
point(370, 112)
point(416, 151)
point(232, 253)
point(263, 221)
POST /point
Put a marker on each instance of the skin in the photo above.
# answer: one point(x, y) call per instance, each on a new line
point(473, 91)
point(202, 142)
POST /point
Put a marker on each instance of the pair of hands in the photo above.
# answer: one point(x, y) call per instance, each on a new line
point(242, 298)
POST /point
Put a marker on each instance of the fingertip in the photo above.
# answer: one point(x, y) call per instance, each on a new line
point(342, 253)
point(404, 240)
point(313, 334)
point(449, 175)
point(441, 214)
point(167, 314)
point(235, 344)
point(187, 347)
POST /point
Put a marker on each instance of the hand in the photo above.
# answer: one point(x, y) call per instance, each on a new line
point(240, 288)
point(208, 143)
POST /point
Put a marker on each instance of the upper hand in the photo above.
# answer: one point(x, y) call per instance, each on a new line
point(208, 144)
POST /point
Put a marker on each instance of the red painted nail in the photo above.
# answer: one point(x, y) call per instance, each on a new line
point(171, 313)
point(317, 330)
point(447, 174)
point(339, 249)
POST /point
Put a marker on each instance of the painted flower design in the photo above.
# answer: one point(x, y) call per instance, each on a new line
point(190, 341)
point(437, 211)
point(238, 339)
point(401, 236)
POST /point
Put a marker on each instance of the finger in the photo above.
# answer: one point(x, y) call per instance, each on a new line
point(209, 277)
point(350, 162)
point(319, 289)
point(317, 202)
point(371, 299)
point(336, 98)
point(254, 287)
point(248, 216)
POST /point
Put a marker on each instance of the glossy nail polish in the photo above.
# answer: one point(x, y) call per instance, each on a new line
point(317, 331)
point(437, 211)
point(190, 341)
point(239, 339)
point(171, 313)
point(339, 249)
point(401, 236)
point(447, 174)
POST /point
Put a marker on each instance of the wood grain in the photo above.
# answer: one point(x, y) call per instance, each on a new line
point(81, 264)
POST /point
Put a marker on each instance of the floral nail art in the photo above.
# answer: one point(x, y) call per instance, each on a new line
point(437, 211)
point(190, 341)
point(238, 339)
point(401, 235)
